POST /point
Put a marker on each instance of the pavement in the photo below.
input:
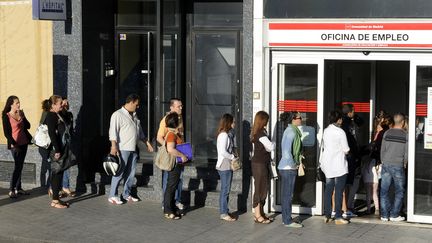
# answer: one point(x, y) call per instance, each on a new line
point(91, 218)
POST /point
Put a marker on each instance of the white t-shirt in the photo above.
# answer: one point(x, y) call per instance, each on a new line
point(333, 160)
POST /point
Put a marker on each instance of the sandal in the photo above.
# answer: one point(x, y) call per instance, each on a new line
point(228, 218)
point(59, 204)
point(172, 216)
point(67, 193)
point(262, 220)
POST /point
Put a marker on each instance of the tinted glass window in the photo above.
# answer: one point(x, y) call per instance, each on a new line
point(218, 14)
point(136, 12)
point(345, 9)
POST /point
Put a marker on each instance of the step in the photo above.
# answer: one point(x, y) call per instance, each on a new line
point(200, 198)
point(208, 172)
point(209, 184)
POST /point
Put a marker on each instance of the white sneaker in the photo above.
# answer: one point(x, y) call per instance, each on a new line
point(333, 214)
point(115, 200)
point(294, 225)
point(397, 219)
point(180, 206)
point(349, 214)
point(384, 219)
point(132, 199)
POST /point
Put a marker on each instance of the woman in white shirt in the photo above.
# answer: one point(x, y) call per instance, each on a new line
point(260, 165)
point(334, 165)
point(225, 148)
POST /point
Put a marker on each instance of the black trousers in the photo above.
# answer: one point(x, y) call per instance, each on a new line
point(173, 180)
point(56, 184)
point(19, 154)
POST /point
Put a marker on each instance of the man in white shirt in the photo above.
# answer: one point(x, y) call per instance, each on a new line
point(124, 132)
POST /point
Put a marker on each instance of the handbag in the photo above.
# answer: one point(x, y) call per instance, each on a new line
point(273, 170)
point(319, 173)
point(236, 164)
point(41, 137)
point(301, 168)
point(163, 159)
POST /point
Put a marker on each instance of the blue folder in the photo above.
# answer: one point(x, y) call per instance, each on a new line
point(186, 149)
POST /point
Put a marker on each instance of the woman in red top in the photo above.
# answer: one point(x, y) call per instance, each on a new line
point(171, 139)
point(15, 126)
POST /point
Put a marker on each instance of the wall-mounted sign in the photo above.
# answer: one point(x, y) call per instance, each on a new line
point(349, 35)
point(49, 9)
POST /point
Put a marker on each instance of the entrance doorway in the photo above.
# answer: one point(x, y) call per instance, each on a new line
point(135, 62)
point(314, 83)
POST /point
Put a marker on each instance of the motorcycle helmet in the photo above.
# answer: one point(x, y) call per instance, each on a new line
point(111, 164)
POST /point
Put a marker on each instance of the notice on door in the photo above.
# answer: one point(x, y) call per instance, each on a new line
point(428, 133)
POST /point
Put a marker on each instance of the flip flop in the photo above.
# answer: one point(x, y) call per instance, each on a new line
point(59, 204)
point(262, 221)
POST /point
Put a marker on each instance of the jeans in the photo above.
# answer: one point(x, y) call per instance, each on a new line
point(172, 184)
point(178, 192)
point(18, 154)
point(128, 160)
point(225, 179)
point(337, 185)
point(397, 174)
point(288, 178)
point(66, 177)
point(45, 174)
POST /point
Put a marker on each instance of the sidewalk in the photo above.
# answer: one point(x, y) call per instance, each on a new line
point(92, 219)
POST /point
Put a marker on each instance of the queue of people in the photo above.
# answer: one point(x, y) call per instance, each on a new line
point(340, 159)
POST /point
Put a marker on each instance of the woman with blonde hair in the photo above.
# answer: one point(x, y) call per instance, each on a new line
point(260, 165)
point(225, 149)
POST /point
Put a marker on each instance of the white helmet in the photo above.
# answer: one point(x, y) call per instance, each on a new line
point(111, 164)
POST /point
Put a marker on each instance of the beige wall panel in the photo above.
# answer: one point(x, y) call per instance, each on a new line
point(25, 59)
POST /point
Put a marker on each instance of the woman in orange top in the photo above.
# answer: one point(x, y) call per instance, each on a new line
point(172, 139)
point(15, 126)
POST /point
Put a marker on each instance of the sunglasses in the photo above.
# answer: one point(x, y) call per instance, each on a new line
point(297, 118)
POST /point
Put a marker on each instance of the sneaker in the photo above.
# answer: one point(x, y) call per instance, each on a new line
point(180, 205)
point(333, 214)
point(341, 221)
point(349, 214)
point(132, 199)
point(397, 219)
point(115, 200)
point(384, 219)
point(294, 225)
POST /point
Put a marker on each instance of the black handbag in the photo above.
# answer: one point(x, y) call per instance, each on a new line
point(66, 160)
point(320, 175)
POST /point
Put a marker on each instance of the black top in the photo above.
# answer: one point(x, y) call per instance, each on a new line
point(53, 123)
point(7, 129)
point(261, 155)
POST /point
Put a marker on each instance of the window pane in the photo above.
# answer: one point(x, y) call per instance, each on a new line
point(218, 14)
point(423, 168)
point(136, 12)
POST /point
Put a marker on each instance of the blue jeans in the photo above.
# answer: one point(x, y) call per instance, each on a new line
point(288, 178)
point(337, 185)
point(179, 187)
point(66, 177)
point(128, 160)
point(225, 179)
point(397, 174)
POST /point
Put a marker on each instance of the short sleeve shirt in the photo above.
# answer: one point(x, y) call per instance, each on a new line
point(172, 138)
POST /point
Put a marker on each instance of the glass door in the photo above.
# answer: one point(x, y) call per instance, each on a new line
point(297, 85)
point(214, 89)
point(135, 60)
point(420, 143)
